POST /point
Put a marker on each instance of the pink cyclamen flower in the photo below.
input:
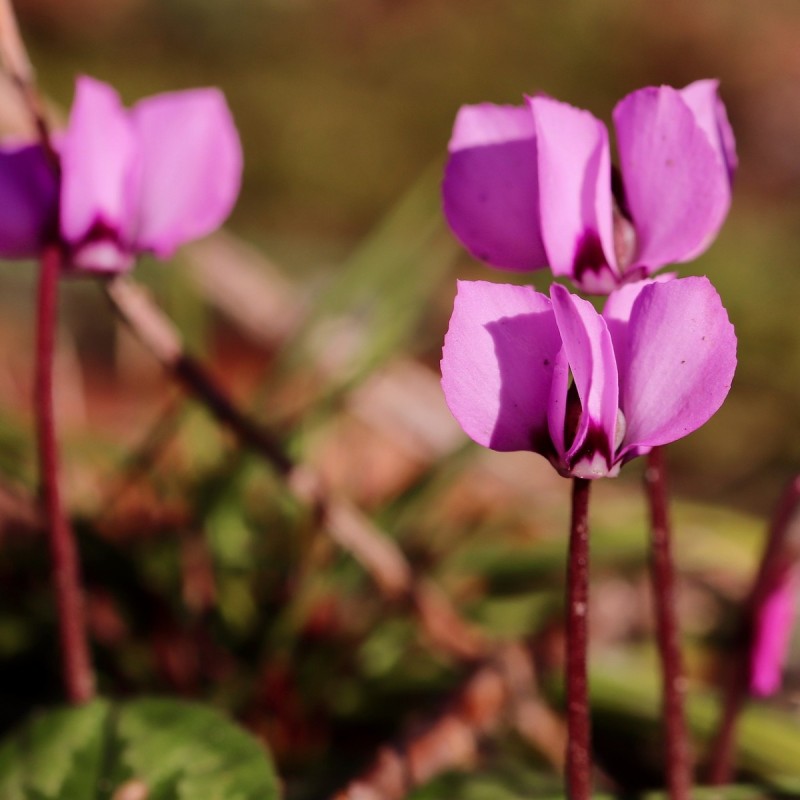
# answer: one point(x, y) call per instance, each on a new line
point(523, 371)
point(144, 179)
point(532, 186)
point(772, 629)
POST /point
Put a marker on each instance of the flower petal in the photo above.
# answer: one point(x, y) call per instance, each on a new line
point(709, 111)
point(575, 193)
point(590, 353)
point(191, 167)
point(677, 188)
point(490, 188)
point(29, 199)
point(618, 307)
point(680, 361)
point(557, 410)
point(773, 622)
point(497, 364)
point(98, 155)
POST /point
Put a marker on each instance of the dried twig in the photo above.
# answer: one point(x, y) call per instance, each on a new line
point(352, 530)
point(16, 63)
point(451, 740)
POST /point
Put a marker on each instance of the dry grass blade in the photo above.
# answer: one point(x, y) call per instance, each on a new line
point(351, 529)
point(451, 740)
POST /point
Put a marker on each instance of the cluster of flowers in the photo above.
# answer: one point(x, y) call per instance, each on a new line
point(533, 186)
point(525, 188)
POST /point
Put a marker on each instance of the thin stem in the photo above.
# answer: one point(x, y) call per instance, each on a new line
point(779, 555)
point(579, 746)
point(78, 675)
point(678, 754)
point(720, 767)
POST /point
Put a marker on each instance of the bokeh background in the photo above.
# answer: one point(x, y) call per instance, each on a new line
point(345, 108)
point(342, 104)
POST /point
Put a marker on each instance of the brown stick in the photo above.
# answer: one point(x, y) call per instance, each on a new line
point(678, 755)
point(451, 739)
point(352, 530)
point(16, 63)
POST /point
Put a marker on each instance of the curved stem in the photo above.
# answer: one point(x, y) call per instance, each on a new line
point(678, 754)
point(579, 745)
point(78, 676)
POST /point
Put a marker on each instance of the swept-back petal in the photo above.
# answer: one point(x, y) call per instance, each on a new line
point(676, 185)
point(191, 166)
point(680, 361)
point(590, 353)
point(29, 199)
point(575, 193)
point(497, 364)
point(98, 156)
point(709, 111)
point(491, 190)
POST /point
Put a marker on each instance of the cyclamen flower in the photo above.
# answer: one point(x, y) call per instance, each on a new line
point(522, 371)
point(147, 179)
point(532, 186)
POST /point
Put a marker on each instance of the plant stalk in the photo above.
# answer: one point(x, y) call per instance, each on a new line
point(76, 663)
point(579, 746)
point(678, 754)
point(780, 555)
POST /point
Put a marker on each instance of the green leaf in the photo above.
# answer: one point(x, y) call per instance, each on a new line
point(169, 750)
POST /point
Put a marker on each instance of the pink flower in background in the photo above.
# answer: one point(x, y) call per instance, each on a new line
point(772, 629)
point(147, 179)
point(523, 371)
point(532, 186)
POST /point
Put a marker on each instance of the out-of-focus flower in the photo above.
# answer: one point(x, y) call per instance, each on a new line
point(522, 371)
point(772, 629)
point(532, 186)
point(147, 179)
point(773, 602)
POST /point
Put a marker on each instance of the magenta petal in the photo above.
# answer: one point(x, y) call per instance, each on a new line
point(575, 192)
point(703, 99)
point(497, 364)
point(618, 307)
point(490, 188)
point(98, 160)
point(29, 199)
point(680, 361)
point(191, 167)
point(676, 185)
point(590, 353)
point(773, 621)
point(557, 409)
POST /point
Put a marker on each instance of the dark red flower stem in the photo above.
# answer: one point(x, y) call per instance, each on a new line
point(678, 754)
point(779, 555)
point(78, 675)
point(579, 740)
